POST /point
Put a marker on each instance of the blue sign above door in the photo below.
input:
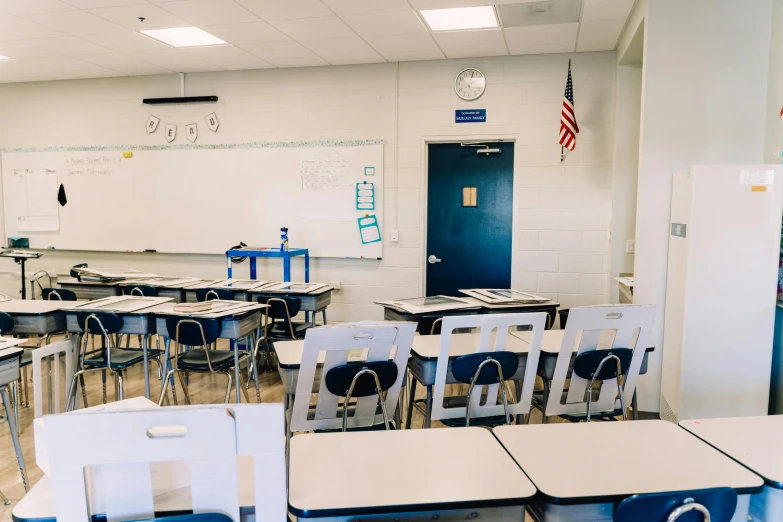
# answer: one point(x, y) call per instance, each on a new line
point(470, 116)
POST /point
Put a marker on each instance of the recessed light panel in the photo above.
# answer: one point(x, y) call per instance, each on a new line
point(460, 18)
point(184, 37)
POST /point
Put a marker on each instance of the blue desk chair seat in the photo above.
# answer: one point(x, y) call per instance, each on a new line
point(715, 505)
point(482, 368)
point(58, 294)
point(208, 294)
point(193, 517)
point(282, 327)
point(107, 358)
point(362, 380)
point(140, 290)
point(202, 333)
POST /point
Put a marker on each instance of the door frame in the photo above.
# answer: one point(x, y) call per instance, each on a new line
point(426, 141)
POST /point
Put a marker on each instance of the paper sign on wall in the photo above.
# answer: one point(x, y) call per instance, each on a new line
point(757, 177)
point(365, 196)
point(369, 230)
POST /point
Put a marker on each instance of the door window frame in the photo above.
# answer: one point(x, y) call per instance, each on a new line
point(424, 186)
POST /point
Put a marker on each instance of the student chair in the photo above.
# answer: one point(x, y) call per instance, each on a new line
point(140, 290)
point(107, 358)
point(605, 328)
point(281, 311)
point(715, 505)
point(490, 366)
point(362, 380)
point(193, 517)
point(208, 294)
point(199, 334)
point(346, 350)
point(58, 294)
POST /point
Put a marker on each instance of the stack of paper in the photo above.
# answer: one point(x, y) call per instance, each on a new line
point(503, 296)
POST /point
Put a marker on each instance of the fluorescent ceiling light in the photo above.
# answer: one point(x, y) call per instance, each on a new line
point(460, 18)
point(4, 57)
point(183, 37)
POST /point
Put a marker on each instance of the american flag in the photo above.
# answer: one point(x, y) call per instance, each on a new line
point(568, 126)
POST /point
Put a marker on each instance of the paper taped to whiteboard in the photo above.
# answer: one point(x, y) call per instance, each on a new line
point(369, 230)
point(36, 189)
point(757, 177)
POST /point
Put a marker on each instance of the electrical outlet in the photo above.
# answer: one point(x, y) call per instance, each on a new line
point(394, 236)
point(630, 246)
point(337, 285)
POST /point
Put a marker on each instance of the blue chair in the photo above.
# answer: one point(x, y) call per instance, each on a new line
point(140, 290)
point(715, 505)
point(362, 380)
point(193, 517)
point(58, 294)
point(199, 332)
point(602, 365)
point(107, 358)
point(208, 294)
point(282, 327)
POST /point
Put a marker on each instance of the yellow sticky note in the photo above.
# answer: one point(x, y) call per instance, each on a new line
point(127, 155)
point(758, 188)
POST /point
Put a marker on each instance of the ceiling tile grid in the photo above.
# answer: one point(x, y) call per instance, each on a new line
point(65, 39)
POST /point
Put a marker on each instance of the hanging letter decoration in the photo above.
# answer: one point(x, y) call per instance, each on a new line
point(152, 124)
point(212, 122)
point(191, 131)
point(171, 132)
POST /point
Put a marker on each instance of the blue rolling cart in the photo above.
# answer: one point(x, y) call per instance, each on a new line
point(254, 253)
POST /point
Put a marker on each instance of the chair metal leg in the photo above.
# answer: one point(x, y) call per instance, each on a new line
point(546, 401)
point(243, 387)
point(121, 385)
point(428, 415)
point(411, 398)
point(184, 384)
point(103, 379)
point(25, 387)
point(228, 388)
point(15, 437)
point(635, 407)
point(84, 390)
point(15, 399)
point(169, 378)
point(5, 500)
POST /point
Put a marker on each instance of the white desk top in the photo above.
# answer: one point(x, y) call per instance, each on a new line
point(119, 304)
point(752, 441)
point(33, 307)
point(163, 281)
point(227, 308)
point(369, 472)
point(600, 462)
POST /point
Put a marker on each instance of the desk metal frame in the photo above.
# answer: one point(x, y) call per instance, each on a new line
point(254, 253)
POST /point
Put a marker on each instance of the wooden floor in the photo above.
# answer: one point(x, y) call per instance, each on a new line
point(204, 389)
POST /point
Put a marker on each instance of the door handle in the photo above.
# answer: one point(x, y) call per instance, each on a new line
point(433, 259)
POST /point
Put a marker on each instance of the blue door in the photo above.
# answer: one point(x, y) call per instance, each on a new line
point(469, 217)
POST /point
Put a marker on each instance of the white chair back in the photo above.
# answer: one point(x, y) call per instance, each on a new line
point(493, 336)
point(64, 349)
point(593, 327)
point(337, 345)
point(208, 438)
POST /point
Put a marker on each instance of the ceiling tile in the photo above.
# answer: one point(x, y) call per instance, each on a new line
point(446, 4)
point(34, 77)
point(201, 12)
point(124, 63)
point(537, 39)
point(24, 49)
point(128, 16)
point(75, 22)
point(465, 44)
point(404, 22)
point(14, 28)
point(314, 28)
point(253, 32)
point(599, 36)
point(26, 7)
point(311, 61)
point(350, 7)
point(596, 10)
point(410, 56)
point(70, 45)
point(228, 57)
point(343, 51)
point(271, 51)
point(286, 9)
point(95, 72)
point(91, 4)
point(174, 60)
point(126, 41)
point(402, 43)
point(54, 63)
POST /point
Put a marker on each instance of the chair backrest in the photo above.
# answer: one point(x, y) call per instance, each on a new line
point(91, 322)
point(140, 290)
point(193, 331)
point(208, 294)
point(587, 364)
point(6, 323)
point(64, 349)
point(720, 503)
point(593, 328)
point(339, 378)
point(336, 346)
point(283, 307)
point(491, 335)
point(58, 294)
point(193, 517)
point(464, 368)
point(208, 437)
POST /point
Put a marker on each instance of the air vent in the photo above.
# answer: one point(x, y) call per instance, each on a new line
point(540, 13)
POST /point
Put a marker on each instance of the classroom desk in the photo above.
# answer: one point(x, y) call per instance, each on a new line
point(240, 322)
point(426, 320)
point(10, 356)
point(312, 302)
point(378, 482)
point(582, 470)
point(754, 442)
point(167, 286)
point(239, 288)
point(91, 289)
point(136, 320)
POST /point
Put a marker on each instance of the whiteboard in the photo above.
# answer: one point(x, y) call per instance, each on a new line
point(198, 199)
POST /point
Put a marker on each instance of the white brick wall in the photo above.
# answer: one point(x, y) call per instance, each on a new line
point(561, 214)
